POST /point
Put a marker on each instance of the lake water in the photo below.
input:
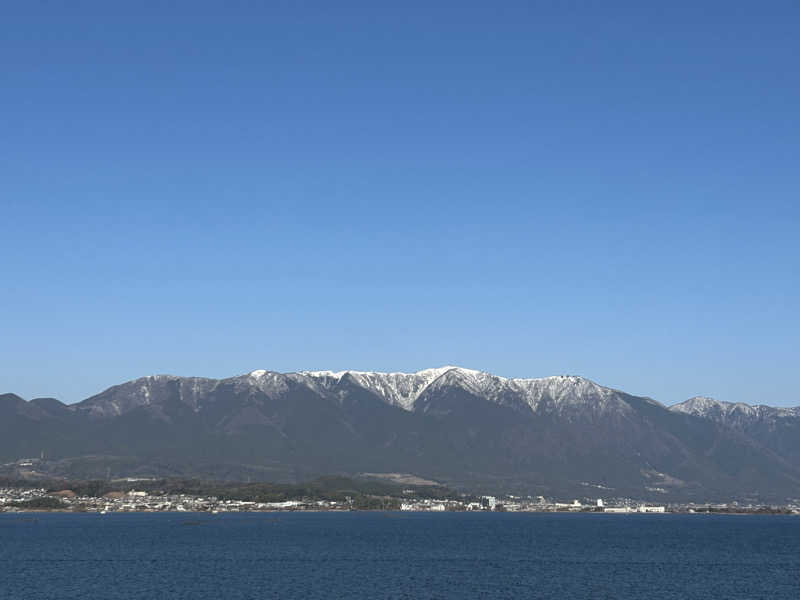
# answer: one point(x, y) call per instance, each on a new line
point(398, 555)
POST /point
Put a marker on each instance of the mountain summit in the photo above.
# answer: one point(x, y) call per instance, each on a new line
point(562, 435)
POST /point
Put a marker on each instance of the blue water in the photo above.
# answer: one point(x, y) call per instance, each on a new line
point(398, 555)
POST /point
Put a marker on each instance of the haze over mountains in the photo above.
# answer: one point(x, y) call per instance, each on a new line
point(561, 435)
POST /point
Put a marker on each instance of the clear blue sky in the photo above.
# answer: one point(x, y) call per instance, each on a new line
point(606, 190)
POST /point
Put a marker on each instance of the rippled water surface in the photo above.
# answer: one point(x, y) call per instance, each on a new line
point(398, 555)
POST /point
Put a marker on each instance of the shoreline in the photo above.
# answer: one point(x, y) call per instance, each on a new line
point(393, 511)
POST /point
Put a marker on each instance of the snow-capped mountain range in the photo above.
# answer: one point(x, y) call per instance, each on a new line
point(461, 426)
point(703, 406)
point(401, 390)
point(404, 389)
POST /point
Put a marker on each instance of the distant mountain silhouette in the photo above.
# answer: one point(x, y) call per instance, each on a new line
point(560, 436)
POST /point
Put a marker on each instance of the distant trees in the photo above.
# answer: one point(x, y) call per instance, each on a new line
point(92, 488)
point(40, 503)
point(360, 493)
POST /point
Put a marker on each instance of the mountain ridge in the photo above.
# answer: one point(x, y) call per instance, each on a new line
point(467, 428)
point(431, 374)
point(402, 389)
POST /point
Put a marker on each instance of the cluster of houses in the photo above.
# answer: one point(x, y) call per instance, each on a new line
point(20, 499)
point(14, 499)
point(516, 504)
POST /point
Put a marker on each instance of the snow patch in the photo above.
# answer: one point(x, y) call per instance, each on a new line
point(403, 389)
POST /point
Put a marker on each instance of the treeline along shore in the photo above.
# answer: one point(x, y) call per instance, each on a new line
point(321, 494)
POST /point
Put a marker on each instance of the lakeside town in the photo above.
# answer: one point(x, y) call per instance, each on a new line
point(40, 499)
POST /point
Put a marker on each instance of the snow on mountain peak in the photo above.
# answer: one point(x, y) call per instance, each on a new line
point(398, 389)
point(703, 406)
point(697, 404)
point(403, 389)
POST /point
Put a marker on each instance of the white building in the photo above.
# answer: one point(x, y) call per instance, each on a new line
point(651, 509)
